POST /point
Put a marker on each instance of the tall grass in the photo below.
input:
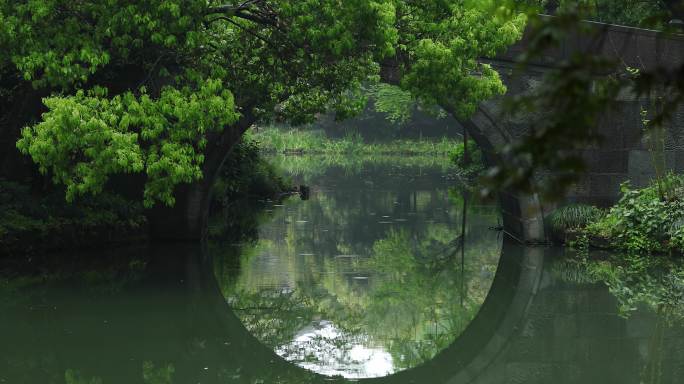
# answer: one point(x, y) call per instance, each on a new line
point(281, 141)
point(572, 217)
point(311, 166)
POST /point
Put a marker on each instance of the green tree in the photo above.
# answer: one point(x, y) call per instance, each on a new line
point(165, 88)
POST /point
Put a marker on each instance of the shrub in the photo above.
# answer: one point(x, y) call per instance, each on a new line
point(476, 159)
point(646, 220)
point(245, 173)
point(31, 222)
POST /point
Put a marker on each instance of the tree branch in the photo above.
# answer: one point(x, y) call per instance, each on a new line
point(232, 8)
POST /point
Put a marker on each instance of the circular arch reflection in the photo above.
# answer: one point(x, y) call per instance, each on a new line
point(370, 276)
point(161, 318)
point(515, 284)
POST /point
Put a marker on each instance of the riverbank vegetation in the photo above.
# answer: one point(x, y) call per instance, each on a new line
point(306, 152)
point(646, 220)
point(307, 167)
point(313, 141)
point(567, 222)
point(33, 222)
point(633, 279)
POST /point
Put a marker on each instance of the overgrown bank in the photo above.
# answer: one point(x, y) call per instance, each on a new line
point(647, 220)
point(33, 220)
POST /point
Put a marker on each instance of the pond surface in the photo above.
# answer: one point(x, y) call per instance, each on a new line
point(367, 278)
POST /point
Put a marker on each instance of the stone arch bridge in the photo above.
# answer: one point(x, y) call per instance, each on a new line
point(621, 156)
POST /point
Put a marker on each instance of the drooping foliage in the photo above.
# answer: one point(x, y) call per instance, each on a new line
point(154, 86)
point(444, 41)
point(126, 134)
point(396, 103)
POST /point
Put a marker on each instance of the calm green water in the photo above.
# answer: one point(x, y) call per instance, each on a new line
point(366, 278)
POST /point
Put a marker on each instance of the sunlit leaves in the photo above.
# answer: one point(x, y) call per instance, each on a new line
point(445, 42)
point(283, 60)
point(86, 138)
point(61, 43)
point(396, 103)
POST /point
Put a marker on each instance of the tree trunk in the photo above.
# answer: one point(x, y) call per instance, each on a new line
point(187, 219)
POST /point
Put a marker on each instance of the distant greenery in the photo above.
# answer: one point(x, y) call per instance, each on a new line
point(645, 220)
point(307, 167)
point(281, 140)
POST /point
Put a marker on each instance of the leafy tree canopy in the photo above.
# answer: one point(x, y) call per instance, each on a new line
point(154, 86)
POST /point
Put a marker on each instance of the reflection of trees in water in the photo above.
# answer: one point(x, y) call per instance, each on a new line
point(633, 279)
point(398, 287)
point(309, 168)
point(151, 374)
point(416, 303)
point(639, 283)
